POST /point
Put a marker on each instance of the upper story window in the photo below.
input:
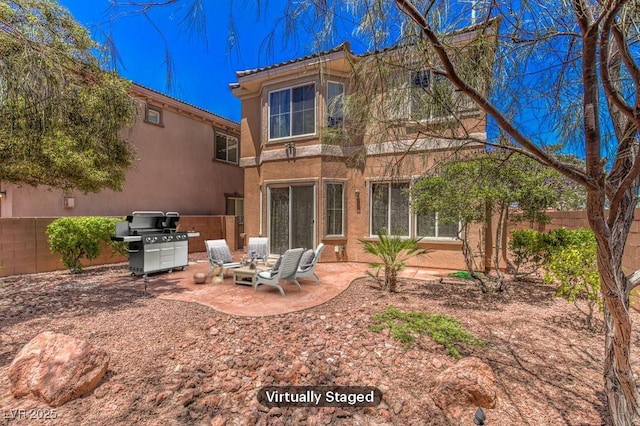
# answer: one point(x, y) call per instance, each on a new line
point(431, 95)
point(335, 106)
point(153, 115)
point(226, 148)
point(292, 112)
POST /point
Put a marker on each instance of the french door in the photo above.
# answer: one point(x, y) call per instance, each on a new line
point(291, 217)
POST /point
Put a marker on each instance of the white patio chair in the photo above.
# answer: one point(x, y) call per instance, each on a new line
point(307, 269)
point(259, 246)
point(219, 254)
point(286, 271)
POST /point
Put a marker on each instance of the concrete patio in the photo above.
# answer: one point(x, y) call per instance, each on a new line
point(241, 300)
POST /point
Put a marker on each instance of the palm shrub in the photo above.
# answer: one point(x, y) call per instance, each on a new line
point(393, 252)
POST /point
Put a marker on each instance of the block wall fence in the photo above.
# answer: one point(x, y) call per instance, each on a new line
point(24, 246)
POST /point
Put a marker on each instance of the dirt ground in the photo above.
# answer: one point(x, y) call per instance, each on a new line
point(179, 363)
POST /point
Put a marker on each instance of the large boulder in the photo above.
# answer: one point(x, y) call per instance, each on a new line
point(460, 389)
point(56, 368)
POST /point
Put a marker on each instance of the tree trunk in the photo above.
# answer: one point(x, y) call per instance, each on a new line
point(467, 251)
point(620, 386)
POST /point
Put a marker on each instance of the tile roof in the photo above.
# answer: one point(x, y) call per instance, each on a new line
point(183, 102)
point(344, 46)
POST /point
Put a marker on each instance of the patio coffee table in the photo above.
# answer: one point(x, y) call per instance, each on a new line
point(245, 275)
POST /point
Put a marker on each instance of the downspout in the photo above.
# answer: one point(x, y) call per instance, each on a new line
point(260, 213)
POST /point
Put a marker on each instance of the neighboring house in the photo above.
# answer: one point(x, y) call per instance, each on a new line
point(186, 161)
point(303, 188)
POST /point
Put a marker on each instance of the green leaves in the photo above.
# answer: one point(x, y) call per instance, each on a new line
point(572, 266)
point(569, 259)
point(76, 238)
point(406, 326)
point(60, 112)
point(393, 252)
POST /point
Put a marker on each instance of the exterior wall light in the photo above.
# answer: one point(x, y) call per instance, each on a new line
point(3, 194)
point(291, 149)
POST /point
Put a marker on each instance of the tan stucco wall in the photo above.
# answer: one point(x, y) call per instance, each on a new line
point(174, 170)
point(271, 163)
point(317, 170)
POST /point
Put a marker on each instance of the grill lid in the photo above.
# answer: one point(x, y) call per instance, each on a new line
point(147, 222)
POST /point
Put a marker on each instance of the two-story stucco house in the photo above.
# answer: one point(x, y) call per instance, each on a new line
point(186, 161)
point(303, 188)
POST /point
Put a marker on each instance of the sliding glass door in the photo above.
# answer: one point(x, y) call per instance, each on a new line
point(291, 217)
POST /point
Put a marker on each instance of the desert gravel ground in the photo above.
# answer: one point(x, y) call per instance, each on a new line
point(178, 363)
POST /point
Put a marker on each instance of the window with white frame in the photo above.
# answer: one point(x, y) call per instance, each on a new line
point(390, 209)
point(335, 106)
point(235, 207)
point(226, 148)
point(292, 112)
point(428, 226)
point(334, 209)
point(153, 115)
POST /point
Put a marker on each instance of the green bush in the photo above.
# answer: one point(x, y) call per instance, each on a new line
point(532, 249)
point(444, 330)
point(573, 268)
point(527, 249)
point(76, 238)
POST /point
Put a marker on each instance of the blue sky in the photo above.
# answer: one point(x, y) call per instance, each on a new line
point(203, 70)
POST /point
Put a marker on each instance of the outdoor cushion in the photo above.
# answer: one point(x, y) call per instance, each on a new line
point(260, 250)
point(275, 268)
point(220, 253)
point(307, 259)
point(265, 274)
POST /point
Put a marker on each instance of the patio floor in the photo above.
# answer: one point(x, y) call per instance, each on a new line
point(241, 300)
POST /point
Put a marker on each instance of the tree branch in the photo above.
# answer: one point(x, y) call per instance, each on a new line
point(633, 280)
point(614, 96)
point(483, 103)
point(627, 57)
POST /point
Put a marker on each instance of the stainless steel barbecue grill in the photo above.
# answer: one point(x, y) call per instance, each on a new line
point(154, 243)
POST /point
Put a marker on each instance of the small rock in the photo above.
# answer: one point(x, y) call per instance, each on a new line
point(118, 387)
point(275, 411)
point(343, 413)
point(100, 393)
point(231, 386)
point(161, 397)
point(218, 421)
point(187, 397)
point(214, 331)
